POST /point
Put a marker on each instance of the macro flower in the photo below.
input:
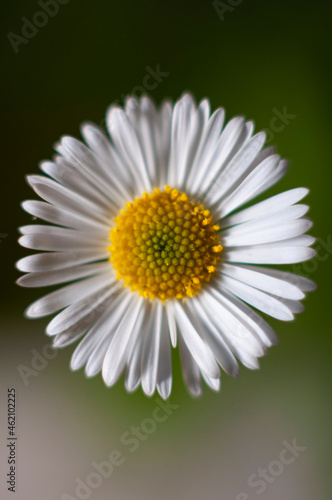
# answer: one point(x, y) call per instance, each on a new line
point(149, 231)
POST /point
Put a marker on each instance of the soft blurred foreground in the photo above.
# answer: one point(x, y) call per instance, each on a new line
point(264, 436)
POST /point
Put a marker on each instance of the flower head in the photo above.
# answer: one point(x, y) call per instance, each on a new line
point(148, 233)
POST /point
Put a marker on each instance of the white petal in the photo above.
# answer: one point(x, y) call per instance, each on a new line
point(213, 338)
point(190, 148)
point(253, 321)
point(223, 157)
point(305, 240)
point(96, 357)
point(181, 118)
point(238, 236)
point(151, 348)
point(164, 374)
point(213, 383)
point(72, 314)
point(97, 140)
point(236, 332)
point(215, 149)
point(42, 262)
point(145, 120)
point(257, 299)
point(164, 143)
point(64, 339)
point(191, 374)
point(264, 220)
point(83, 325)
point(265, 254)
point(115, 169)
point(115, 358)
point(102, 331)
point(48, 278)
point(39, 237)
point(272, 179)
point(133, 371)
point(63, 217)
point(234, 172)
point(67, 199)
point(206, 147)
point(295, 306)
point(171, 322)
point(54, 301)
point(267, 207)
point(197, 347)
point(304, 284)
point(243, 192)
point(62, 231)
point(73, 333)
point(72, 178)
point(88, 163)
point(262, 279)
point(127, 144)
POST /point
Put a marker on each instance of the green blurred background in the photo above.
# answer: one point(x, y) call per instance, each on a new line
point(254, 59)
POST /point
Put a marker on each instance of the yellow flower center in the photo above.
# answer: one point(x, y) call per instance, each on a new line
point(164, 245)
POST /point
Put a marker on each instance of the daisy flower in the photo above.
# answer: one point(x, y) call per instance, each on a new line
point(147, 231)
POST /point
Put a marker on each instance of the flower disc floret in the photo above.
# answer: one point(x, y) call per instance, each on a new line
point(164, 245)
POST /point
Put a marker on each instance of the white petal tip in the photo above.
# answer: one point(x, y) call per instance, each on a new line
point(50, 330)
point(311, 286)
point(164, 390)
point(21, 282)
point(75, 364)
point(24, 241)
point(26, 281)
point(33, 180)
point(195, 392)
point(298, 295)
point(25, 205)
point(58, 343)
point(214, 384)
point(235, 373)
point(287, 317)
point(214, 372)
point(303, 191)
point(91, 372)
point(29, 313)
point(20, 265)
point(148, 389)
point(108, 378)
point(87, 126)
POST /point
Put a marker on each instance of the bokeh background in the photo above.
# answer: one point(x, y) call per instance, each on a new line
point(254, 58)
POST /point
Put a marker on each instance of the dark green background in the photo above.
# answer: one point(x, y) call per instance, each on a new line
point(263, 56)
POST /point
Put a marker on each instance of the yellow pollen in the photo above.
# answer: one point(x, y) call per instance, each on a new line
point(217, 249)
point(164, 245)
point(211, 269)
